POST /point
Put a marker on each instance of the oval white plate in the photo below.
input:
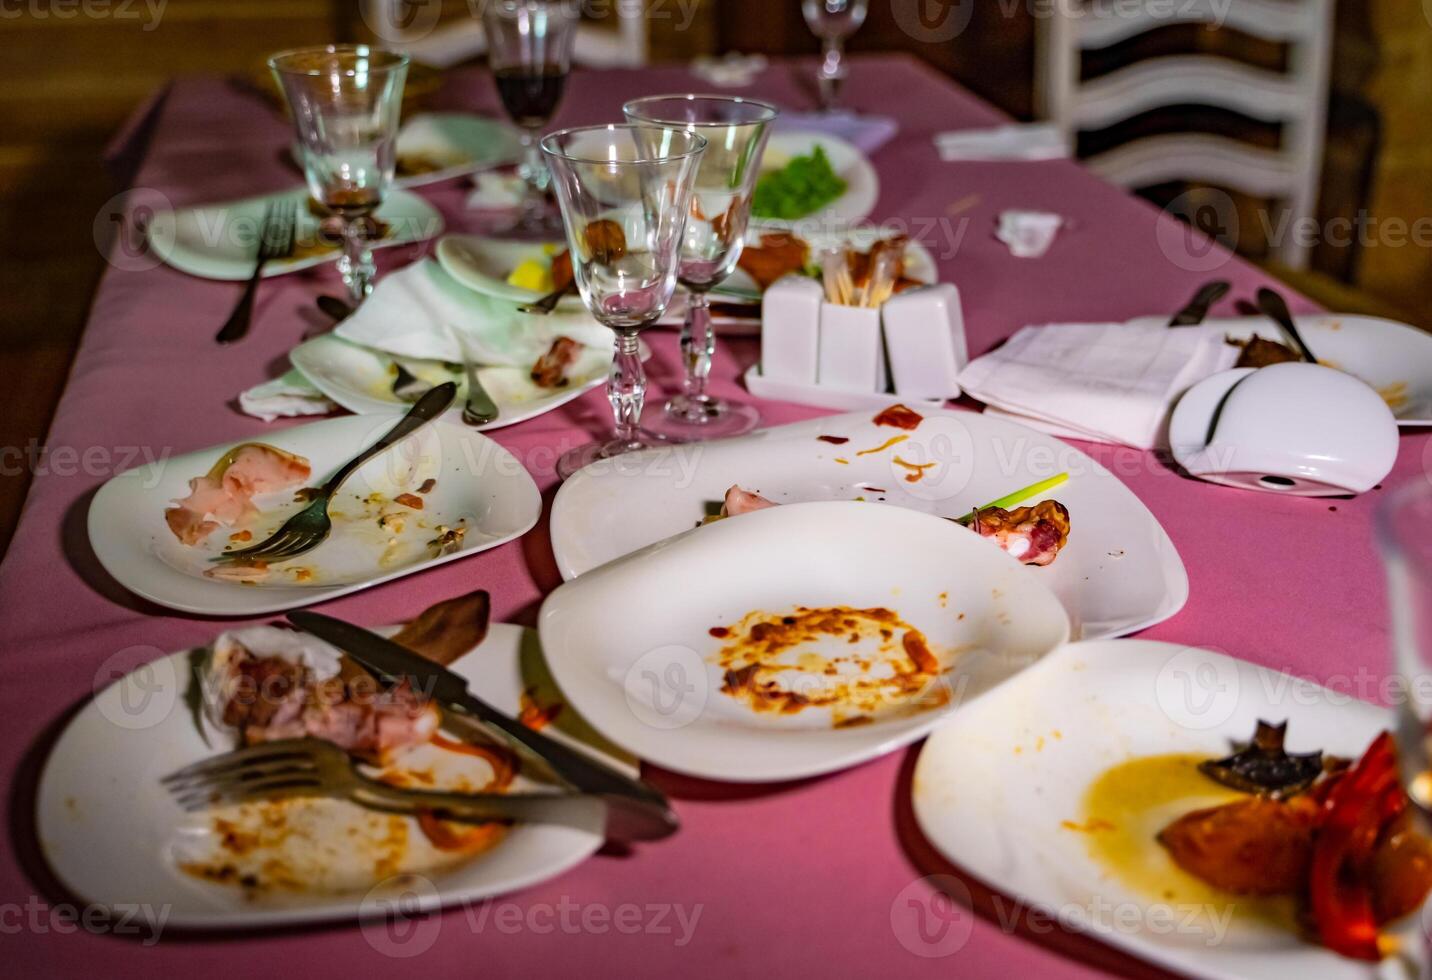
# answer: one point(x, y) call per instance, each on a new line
point(919, 263)
point(109, 831)
point(220, 241)
point(1392, 357)
point(478, 483)
point(483, 264)
point(993, 786)
point(862, 184)
point(630, 643)
point(1119, 573)
point(467, 143)
point(358, 378)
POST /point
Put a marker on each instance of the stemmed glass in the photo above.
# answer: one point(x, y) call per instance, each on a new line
point(530, 51)
point(735, 131)
point(1404, 537)
point(624, 192)
point(832, 21)
point(345, 101)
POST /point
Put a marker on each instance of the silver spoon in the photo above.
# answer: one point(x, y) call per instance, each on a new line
point(406, 386)
point(1272, 305)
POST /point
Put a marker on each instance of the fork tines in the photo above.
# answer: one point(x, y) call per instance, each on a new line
point(286, 768)
point(277, 231)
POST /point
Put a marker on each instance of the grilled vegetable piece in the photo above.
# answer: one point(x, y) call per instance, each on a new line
point(1264, 767)
point(1257, 846)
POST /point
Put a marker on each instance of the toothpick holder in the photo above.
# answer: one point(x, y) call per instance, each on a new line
point(852, 353)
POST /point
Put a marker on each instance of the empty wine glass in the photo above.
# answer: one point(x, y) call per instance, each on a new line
point(624, 192)
point(1404, 537)
point(832, 21)
point(345, 100)
point(530, 52)
point(735, 131)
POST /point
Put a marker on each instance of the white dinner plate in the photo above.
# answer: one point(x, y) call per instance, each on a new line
point(116, 839)
point(854, 167)
point(461, 142)
point(361, 380)
point(999, 791)
point(478, 485)
point(1392, 357)
point(1118, 573)
point(483, 263)
point(220, 241)
point(637, 645)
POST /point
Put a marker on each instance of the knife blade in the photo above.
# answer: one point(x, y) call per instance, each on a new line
point(635, 810)
point(1197, 308)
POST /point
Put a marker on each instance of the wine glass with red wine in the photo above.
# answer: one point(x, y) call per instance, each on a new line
point(530, 51)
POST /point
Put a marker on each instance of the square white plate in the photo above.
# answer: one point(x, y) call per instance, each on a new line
point(994, 786)
point(636, 645)
point(478, 483)
point(1119, 572)
point(112, 834)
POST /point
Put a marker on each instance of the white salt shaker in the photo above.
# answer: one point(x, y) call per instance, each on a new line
point(925, 338)
point(790, 329)
point(851, 353)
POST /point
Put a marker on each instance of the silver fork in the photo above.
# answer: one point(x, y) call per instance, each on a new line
point(312, 767)
point(276, 234)
point(308, 528)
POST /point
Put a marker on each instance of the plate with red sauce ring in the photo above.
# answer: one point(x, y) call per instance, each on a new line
point(300, 860)
point(1054, 789)
point(796, 640)
point(1117, 573)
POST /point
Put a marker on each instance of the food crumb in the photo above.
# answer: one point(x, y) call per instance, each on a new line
point(409, 500)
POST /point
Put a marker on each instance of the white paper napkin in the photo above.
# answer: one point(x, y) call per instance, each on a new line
point(422, 312)
point(1016, 141)
point(494, 191)
point(1029, 234)
point(285, 397)
point(732, 70)
point(1108, 382)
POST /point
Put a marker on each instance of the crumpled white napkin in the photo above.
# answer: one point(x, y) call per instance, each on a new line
point(1107, 382)
point(285, 397)
point(422, 312)
point(496, 191)
point(1029, 234)
point(1016, 141)
point(732, 70)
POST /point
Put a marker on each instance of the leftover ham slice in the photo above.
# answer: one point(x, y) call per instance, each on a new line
point(224, 496)
point(550, 370)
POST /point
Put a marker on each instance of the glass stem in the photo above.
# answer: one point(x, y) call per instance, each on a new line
point(626, 386)
point(832, 73)
point(534, 173)
point(356, 265)
point(698, 345)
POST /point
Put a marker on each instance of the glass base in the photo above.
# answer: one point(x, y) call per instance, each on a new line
point(594, 452)
point(543, 225)
point(687, 419)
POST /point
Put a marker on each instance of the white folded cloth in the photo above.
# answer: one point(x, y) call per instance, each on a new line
point(1107, 382)
point(1016, 141)
point(496, 191)
point(422, 312)
point(1029, 234)
point(732, 70)
point(285, 397)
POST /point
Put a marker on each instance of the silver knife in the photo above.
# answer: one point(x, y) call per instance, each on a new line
point(635, 811)
point(1197, 308)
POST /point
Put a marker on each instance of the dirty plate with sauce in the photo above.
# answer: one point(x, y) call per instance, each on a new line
point(443, 493)
point(1054, 789)
point(1391, 357)
point(116, 839)
point(220, 241)
point(1118, 573)
point(796, 640)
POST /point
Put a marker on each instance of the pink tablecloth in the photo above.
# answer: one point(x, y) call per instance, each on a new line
point(813, 877)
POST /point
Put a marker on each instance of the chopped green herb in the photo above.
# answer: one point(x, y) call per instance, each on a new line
point(801, 187)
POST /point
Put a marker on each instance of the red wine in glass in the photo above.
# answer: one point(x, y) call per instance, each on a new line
point(530, 93)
